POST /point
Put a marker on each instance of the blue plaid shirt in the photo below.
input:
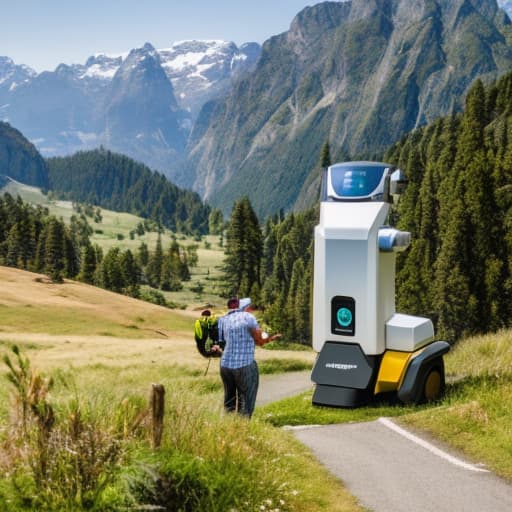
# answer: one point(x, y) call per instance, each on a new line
point(234, 329)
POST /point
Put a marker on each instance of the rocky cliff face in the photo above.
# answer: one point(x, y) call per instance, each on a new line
point(142, 117)
point(358, 74)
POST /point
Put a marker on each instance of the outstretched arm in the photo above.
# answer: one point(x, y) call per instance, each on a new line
point(261, 338)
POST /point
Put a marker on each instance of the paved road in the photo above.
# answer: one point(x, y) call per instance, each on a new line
point(389, 469)
point(282, 385)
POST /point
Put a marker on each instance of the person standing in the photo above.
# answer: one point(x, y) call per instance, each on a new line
point(238, 368)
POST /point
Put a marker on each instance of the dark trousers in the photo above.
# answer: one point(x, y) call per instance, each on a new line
point(240, 388)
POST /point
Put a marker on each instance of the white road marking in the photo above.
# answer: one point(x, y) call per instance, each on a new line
point(436, 451)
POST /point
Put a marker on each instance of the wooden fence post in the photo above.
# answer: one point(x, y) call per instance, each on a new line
point(157, 413)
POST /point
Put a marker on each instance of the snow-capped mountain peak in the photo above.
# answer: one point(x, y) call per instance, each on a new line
point(103, 66)
point(199, 70)
point(202, 69)
point(11, 74)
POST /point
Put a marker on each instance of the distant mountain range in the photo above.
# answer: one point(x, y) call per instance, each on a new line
point(142, 103)
point(229, 121)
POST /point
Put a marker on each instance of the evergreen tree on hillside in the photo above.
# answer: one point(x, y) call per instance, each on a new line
point(244, 249)
point(142, 255)
point(55, 250)
point(110, 272)
point(174, 269)
point(325, 155)
point(457, 270)
point(154, 266)
point(215, 222)
point(288, 262)
point(130, 273)
point(89, 264)
point(456, 306)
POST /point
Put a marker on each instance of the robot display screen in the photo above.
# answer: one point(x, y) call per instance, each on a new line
point(357, 181)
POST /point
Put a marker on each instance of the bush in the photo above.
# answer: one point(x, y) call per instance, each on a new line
point(155, 297)
point(56, 462)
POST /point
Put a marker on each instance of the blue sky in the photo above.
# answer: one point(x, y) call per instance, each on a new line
point(44, 33)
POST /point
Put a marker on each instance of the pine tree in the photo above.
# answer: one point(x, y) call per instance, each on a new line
point(215, 222)
point(476, 182)
point(456, 306)
point(130, 272)
point(88, 267)
point(55, 250)
point(110, 271)
point(154, 266)
point(172, 269)
point(325, 155)
point(303, 307)
point(142, 255)
point(244, 249)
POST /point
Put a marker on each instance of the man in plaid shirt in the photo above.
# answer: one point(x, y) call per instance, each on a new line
point(238, 369)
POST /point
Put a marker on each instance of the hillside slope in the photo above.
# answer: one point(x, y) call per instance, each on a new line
point(359, 74)
point(19, 158)
point(79, 325)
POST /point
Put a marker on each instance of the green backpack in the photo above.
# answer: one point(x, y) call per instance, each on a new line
point(206, 334)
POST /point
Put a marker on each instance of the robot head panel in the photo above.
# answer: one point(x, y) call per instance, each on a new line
point(358, 181)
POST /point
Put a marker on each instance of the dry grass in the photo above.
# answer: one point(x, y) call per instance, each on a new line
point(81, 325)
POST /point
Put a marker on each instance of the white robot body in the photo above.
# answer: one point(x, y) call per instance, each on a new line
point(364, 346)
point(349, 264)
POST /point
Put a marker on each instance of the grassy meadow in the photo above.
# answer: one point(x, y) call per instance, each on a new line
point(104, 351)
point(102, 372)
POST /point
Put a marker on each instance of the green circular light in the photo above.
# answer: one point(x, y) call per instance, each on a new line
point(344, 317)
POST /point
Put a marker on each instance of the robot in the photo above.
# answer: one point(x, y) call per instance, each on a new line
point(364, 347)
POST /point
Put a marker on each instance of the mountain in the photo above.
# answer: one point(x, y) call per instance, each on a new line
point(141, 115)
point(203, 70)
point(142, 103)
point(358, 74)
point(20, 160)
point(11, 76)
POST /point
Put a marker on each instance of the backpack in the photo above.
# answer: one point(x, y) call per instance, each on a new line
point(206, 334)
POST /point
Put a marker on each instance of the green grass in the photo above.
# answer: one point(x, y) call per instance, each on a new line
point(42, 319)
point(212, 461)
point(299, 410)
point(59, 320)
point(476, 416)
point(272, 366)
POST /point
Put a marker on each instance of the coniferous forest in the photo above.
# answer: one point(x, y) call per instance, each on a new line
point(457, 206)
point(116, 182)
point(32, 239)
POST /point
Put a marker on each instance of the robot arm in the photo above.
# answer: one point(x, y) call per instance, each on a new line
point(393, 240)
